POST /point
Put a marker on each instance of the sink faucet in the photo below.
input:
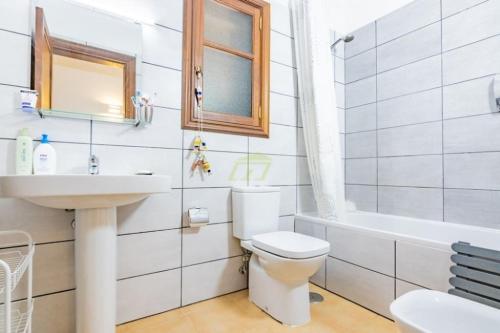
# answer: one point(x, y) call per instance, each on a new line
point(93, 165)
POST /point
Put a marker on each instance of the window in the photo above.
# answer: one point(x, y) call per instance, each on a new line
point(226, 56)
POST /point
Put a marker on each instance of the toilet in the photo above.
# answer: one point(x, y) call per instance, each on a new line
point(282, 262)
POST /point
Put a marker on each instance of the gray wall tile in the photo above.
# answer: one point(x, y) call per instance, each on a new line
point(362, 171)
point(471, 25)
point(361, 66)
point(339, 69)
point(361, 92)
point(469, 98)
point(55, 313)
point(472, 207)
point(363, 196)
point(415, 15)
point(403, 287)
point(472, 134)
point(418, 76)
point(364, 39)
point(454, 6)
point(363, 144)
point(410, 140)
point(426, 203)
point(417, 45)
point(340, 94)
point(423, 171)
point(410, 109)
point(471, 61)
point(472, 171)
point(361, 118)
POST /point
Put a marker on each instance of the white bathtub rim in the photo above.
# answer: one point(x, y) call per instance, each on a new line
point(412, 239)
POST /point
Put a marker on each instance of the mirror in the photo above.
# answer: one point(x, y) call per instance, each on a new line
point(86, 62)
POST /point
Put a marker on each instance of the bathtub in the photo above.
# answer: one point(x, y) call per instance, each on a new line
point(375, 258)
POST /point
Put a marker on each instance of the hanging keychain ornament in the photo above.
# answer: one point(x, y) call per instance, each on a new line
point(199, 146)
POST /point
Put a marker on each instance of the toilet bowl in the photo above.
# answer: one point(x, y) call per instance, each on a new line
point(429, 311)
point(282, 261)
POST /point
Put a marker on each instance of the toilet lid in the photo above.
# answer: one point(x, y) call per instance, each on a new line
point(291, 244)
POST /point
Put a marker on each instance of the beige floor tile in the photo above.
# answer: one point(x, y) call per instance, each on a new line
point(234, 313)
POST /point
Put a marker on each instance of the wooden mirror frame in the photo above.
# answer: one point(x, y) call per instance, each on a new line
point(258, 123)
point(46, 46)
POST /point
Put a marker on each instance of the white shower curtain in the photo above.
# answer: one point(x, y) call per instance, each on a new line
point(318, 105)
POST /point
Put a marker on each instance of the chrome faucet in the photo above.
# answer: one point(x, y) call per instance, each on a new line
point(93, 165)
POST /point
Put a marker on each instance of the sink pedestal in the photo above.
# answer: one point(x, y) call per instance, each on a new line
point(95, 256)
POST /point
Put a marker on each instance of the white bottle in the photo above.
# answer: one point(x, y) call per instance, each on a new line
point(24, 153)
point(44, 158)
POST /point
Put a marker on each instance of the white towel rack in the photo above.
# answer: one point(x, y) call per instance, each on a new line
point(16, 260)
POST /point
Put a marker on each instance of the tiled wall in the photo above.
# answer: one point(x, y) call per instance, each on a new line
point(422, 132)
point(162, 264)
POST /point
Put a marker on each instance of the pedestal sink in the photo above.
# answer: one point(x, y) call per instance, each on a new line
point(95, 199)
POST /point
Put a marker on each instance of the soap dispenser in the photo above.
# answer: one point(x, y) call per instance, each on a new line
point(44, 158)
point(24, 153)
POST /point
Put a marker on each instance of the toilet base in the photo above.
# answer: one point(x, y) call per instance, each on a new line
point(288, 304)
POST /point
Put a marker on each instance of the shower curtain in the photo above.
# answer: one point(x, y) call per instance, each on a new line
point(318, 106)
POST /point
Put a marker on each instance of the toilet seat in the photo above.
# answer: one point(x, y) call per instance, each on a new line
point(291, 245)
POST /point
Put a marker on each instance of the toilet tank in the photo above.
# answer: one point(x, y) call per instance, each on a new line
point(255, 210)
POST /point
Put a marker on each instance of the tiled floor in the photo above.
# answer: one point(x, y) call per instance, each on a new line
point(233, 313)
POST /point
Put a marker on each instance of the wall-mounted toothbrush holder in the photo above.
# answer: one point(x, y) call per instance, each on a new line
point(143, 110)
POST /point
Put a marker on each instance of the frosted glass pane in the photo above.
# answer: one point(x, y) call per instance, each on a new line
point(227, 26)
point(227, 83)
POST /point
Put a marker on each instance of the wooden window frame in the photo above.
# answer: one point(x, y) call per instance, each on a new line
point(194, 41)
point(42, 74)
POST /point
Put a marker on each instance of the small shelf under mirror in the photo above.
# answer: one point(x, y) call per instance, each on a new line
point(85, 116)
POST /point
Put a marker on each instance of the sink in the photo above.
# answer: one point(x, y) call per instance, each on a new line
point(94, 199)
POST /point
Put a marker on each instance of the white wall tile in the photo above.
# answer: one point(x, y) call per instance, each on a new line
point(282, 49)
point(363, 196)
point(283, 79)
point(468, 98)
point(403, 287)
point(305, 199)
point(423, 171)
point(339, 69)
point(147, 295)
point(216, 200)
point(301, 145)
point(208, 243)
point(16, 58)
point(472, 207)
point(217, 141)
point(286, 223)
point(281, 170)
point(281, 19)
point(200, 282)
point(281, 141)
point(228, 169)
point(426, 203)
point(410, 140)
point(14, 16)
point(361, 66)
point(149, 252)
point(471, 134)
point(477, 56)
point(283, 109)
point(303, 175)
point(163, 84)
point(157, 212)
point(418, 76)
point(472, 171)
point(288, 200)
point(411, 17)
point(340, 95)
point(361, 118)
point(43, 224)
point(360, 92)
point(361, 145)
point(364, 39)
point(162, 46)
point(454, 6)
point(410, 109)
point(361, 171)
point(160, 161)
point(471, 25)
point(417, 45)
point(55, 313)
